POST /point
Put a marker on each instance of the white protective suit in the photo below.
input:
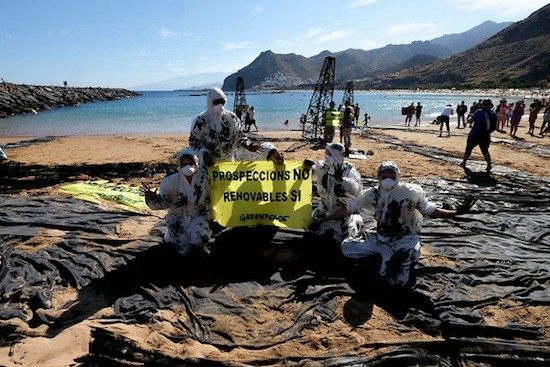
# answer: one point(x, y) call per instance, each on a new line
point(398, 213)
point(217, 130)
point(187, 204)
point(334, 195)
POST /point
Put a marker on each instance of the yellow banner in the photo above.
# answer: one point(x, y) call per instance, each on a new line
point(96, 191)
point(261, 193)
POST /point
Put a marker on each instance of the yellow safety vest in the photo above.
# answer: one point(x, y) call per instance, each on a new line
point(332, 118)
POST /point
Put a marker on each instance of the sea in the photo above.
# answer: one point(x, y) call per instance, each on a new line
point(172, 112)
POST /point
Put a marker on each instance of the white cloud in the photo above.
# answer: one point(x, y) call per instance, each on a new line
point(284, 43)
point(164, 33)
point(502, 7)
point(238, 46)
point(177, 70)
point(167, 34)
point(57, 33)
point(359, 3)
point(133, 53)
point(333, 36)
point(310, 33)
point(255, 10)
point(316, 36)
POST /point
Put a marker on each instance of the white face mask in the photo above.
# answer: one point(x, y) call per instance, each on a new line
point(329, 160)
point(387, 183)
point(188, 170)
point(218, 109)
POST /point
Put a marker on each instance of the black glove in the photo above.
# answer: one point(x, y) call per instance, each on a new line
point(467, 204)
point(338, 173)
point(308, 163)
point(314, 225)
point(208, 159)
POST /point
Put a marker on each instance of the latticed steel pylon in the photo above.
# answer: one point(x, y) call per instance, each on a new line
point(314, 128)
point(348, 94)
point(240, 107)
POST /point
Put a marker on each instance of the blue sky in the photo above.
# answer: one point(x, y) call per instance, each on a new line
point(127, 43)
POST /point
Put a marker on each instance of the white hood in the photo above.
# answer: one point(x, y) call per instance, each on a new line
point(213, 94)
point(389, 165)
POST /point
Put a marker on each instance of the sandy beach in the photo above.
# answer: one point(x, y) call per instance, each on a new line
point(376, 331)
point(506, 151)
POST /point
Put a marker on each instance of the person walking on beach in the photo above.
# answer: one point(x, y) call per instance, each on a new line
point(509, 113)
point(461, 110)
point(398, 209)
point(445, 119)
point(417, 113)
point(484, 123)
point(517, 113)
point(502, 115)
point(409, 114)
point(545, 127)
point(186, 197)
point(365, 123)
point(218, 130)
point(534, 109)
point(250, 119)
point(336, 181)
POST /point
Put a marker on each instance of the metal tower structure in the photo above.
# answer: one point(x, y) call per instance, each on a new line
point(314, 128)
point(240, 107)
point(348, 94)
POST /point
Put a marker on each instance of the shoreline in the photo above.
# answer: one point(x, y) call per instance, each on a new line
point(397, 125)
point(526, 153)
point(24, 99)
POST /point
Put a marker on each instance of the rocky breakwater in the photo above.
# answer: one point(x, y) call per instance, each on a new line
point(18, 99)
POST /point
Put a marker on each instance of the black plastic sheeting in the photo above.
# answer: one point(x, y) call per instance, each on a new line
point(498, 252)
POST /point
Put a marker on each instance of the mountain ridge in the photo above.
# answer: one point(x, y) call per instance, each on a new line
point(410, 65)
point(518, 56)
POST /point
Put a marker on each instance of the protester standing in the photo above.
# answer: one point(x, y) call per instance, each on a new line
point(461, 110)
point(484, 123)
point(445, 119)
point(250, 119)
point(534, 109)
point(515, 119)
point(347, 125)
point(417, 113)
point(332, 120)
point(218, 131)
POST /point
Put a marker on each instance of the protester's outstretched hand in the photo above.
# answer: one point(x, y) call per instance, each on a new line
point(256, 148)
point(467, 204)
point(147, 192)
